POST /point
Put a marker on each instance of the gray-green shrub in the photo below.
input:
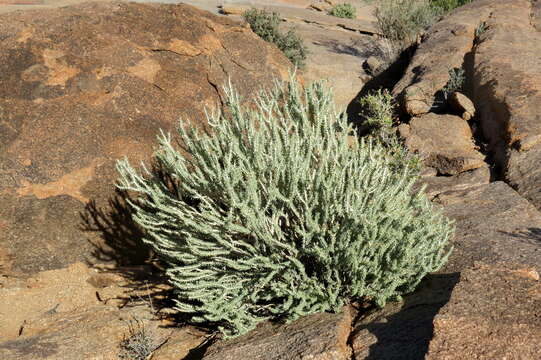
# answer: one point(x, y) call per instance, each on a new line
point(272, 214)
point(444, 6)
point(345, 10)
point(401, 21)
point(265, 24)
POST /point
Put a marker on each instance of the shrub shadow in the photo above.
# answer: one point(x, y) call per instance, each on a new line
point(530, 235)
point(356, 48)
point(404, 332)
point(122, 237)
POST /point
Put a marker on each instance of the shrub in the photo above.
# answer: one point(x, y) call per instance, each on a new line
point(344, 11)
point(139, 344)
point(265, 25)
point(275, 215)
point(444, 6)
point(401, 21)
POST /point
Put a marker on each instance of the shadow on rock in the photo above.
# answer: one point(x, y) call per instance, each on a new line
point(121, 237)
point(356, 48)
point(531, 235)
point(120, 242)
point(404, 331)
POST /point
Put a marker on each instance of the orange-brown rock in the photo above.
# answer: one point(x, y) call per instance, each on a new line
point(85, 85)
point(507, 89)
point(443, 142)
point(96, 332)
point(441, 185)
point(493, 224)
point(79, 312)
point(444, 47)
point(321, 336)
point(493, 313)
point(462, 105)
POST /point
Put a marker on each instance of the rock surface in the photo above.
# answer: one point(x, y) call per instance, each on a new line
point(509, 100)
point(403, 330)
point(299, 14)
point(321, 336)
point(53, 291)
point(463, 105)
point(89, 333)
point(436, 185)
point(493, 224)
point(81, 313)
point(483, 38)
point(444, 47)
point(337, 56)
point(83, 86)
point(493, 313)
point(443, 142)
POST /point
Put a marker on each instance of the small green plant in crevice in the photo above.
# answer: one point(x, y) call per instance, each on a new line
point(274, 214)
point(266, 25)
point(378, 118)
point(457, 78)
point(480, 29)
point(139, 344)
point(345, 10)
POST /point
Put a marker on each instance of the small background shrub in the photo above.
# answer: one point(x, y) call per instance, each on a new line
point(344, 11)
point(444, 6)
point(276, 215)
point(401, 21)
point(265, 24)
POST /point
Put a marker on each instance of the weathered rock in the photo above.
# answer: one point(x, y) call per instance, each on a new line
point(372, 64)
point(179, 344)
point(83, 86)
point(54, 291)
point(321, 6)
point(444, 47)
point(508, 101)
point(443, 142)
point(321, 336)
point(493, 313)
point(403, 330)
point(493, 224)
point(336, 56)
point(80, 312)
point(436, 185)
point(463, 105)
point(89, 333)
point(364, 24)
